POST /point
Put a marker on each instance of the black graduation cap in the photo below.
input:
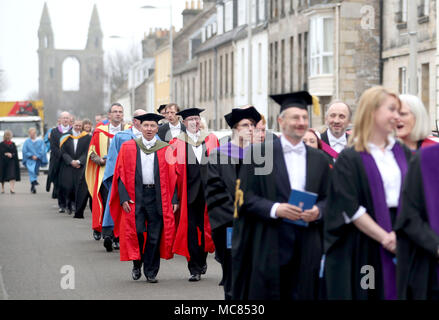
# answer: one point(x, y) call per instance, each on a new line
point(190, 112)
point(300, 99)
point(149, 117)
point(162, 106)
point(238, 114)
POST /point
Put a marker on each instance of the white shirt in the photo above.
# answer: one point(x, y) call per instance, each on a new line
point(197, 150)
point(148, 162)
point(295, 160)
point(175, 130)
point(337, 144)
point(136, 132)
point(114, 130)
point(65, 129)
point(390, 174)
point(75, 141)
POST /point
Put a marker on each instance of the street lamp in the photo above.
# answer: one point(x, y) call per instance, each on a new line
point(170, 44)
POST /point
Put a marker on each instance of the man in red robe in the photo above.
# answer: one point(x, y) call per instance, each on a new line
point(141, 200)
point(191, 149)
point(96, 161)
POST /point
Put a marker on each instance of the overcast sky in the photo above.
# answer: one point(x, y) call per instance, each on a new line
point(20, 19)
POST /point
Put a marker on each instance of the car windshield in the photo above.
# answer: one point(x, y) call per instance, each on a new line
point(20, 129)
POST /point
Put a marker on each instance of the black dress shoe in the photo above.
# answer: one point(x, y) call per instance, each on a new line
point(136, 273)
point(151, 279)
point(108, 244)
point(96, 235)
point(195, 277)
point(204, 269)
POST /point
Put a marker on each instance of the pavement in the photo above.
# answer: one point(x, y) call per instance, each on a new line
point(49, 255)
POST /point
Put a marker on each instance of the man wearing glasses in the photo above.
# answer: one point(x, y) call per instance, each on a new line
point(96, 161)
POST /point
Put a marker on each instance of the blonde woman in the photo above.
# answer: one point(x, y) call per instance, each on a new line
point(363, 202)
point(9, 166)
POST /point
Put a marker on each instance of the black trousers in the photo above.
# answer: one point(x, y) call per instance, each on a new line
point(60, 194)
point(224, 257)
point(290, 238)
point(195, 234)
point(150, 221)
point(81, 196)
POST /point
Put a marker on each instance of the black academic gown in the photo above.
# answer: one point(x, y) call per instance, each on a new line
point(196, 180)
point(9, 167)
point(256, 245)
point(70, 178)
point(164, 132)
point(222, 172)
point(55, 166)
point(417, 243)
point(347, 249)
point(324, 137)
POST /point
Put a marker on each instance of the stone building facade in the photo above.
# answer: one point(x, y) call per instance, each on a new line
point(396, 51)
point(330, 48)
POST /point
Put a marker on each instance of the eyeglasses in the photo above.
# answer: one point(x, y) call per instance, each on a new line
point(193, 119)
point(247, 125)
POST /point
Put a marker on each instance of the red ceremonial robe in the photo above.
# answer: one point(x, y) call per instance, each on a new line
point(181, 239)
point(125, 223)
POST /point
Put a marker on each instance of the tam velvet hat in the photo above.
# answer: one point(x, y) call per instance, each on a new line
point(238, 114)
point(300, 99)
point(189, 112)
point(159, 110)
point(149, 117)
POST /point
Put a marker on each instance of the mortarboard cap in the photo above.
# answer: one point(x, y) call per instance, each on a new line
point(238, 114)
point(149, 117)
point(300, 99)
point(189, 112)
point(162, 106)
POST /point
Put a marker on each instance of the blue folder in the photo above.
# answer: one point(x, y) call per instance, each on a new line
point(229, 237)
point(302, 199)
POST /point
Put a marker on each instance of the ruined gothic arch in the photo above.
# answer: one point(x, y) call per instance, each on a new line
point(71, 74)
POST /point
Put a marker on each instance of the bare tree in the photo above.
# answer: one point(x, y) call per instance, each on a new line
point(117, 65)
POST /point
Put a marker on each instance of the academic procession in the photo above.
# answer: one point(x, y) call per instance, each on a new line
point(347, 212)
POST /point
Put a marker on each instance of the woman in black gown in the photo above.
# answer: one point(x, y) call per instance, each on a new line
point(9, 167)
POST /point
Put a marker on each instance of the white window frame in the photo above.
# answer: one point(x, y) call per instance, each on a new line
point(404, 10)
point(228, 12)
point(403, 80)
point(220, 15)
point(426, 7)
point(316, 45)
point(242, 12)
point(261, 5)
